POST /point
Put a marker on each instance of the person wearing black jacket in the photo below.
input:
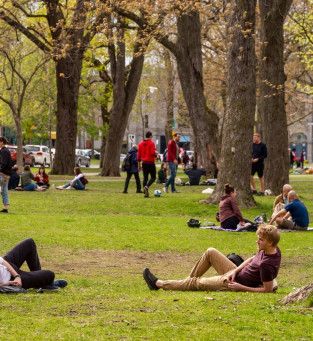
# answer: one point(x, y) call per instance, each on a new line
point(5, 172)
point(194, 174)
point(133, 169)
point(259, 153)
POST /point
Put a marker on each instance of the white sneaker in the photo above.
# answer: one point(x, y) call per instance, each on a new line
point(69, 187)
point(59, 187)
point(165, 189)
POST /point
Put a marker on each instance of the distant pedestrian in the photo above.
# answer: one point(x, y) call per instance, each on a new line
point(302, 159)
point(146, 155)
point(133, 170)
point(173, 160)
point(5, 173)
point(259, 153)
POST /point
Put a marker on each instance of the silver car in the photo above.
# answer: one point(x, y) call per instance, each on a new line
point(81, 158)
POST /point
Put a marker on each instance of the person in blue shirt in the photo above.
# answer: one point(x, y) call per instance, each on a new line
point(295, 210)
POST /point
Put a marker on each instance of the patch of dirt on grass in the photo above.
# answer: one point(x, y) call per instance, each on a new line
point(121, 263)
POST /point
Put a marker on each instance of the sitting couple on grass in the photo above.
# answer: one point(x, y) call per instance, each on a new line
point(293, 214)
point(256, 274)
point(12, 275)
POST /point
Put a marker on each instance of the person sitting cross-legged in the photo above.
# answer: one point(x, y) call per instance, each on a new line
point(295, 210)
point(256, 274)
point(11, 273)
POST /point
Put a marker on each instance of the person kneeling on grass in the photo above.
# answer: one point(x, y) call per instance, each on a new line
point(295, 210)
point(79, 182)
point(11, 274)
point(256, 274)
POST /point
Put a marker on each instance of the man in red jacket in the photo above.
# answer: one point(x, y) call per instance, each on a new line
point(147, 154)
point(172, 159)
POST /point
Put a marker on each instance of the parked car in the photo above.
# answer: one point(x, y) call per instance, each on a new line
point(81, 158)
point(96, 154)
point(28, 159)
point(41, 154)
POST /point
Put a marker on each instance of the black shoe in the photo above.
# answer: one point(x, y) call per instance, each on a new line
point(175, 191)
point(261, 194)
point(125, 192)
point(61, 283)
point(48, 288)
point(150, 279)
point(4, 211)
point(140, 191)
point(146, 191)
point(254, 191)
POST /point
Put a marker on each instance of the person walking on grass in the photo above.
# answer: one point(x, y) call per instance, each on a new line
point(256, 274)
point(173, 160)
point(133, 169)
point(259, 153)
point(5, 173)
point(146, 155)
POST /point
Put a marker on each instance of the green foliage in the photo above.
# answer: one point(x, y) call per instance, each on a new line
point(101, 239)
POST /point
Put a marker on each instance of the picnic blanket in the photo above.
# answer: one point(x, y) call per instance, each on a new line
point(243, 229)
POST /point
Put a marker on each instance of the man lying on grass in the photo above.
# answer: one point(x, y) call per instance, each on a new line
point(256, 274)
point(11, 274)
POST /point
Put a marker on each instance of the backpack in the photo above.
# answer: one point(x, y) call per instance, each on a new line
point(236, 259)
point(84, 181)
point(126, 163)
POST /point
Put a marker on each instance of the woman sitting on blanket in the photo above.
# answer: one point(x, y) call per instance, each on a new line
point(230, 215)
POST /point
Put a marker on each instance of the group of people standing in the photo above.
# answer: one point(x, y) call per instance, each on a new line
point(143, 158)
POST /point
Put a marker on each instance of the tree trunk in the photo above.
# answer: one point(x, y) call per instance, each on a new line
point(236, 151)
point(68, 72)
point(271, 108)
point(124, 94)
point(188, 55)
point(19, 133)
point(298, 295)
point(105, 124)
point(169, 96)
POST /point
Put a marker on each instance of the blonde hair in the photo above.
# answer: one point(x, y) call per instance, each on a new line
point(270, 233)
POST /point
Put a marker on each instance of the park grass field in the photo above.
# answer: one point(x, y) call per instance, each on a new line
point(100, 240)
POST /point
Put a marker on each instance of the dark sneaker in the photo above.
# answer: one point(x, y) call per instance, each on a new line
point(165, 189)
point(175, 191)
point(261, 194)
point(125, 192)
point(61, 283)
point(150, 279)
point(146, 191)
point(140, 191)
point(48, 288)
point(254, 191)
point(4, 211)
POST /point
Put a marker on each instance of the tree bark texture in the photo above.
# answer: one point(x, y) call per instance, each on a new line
point(298, 295)
point(188, 55)
point(271, 109)
point(169, 96)
point(236, 150)
point(124, 94)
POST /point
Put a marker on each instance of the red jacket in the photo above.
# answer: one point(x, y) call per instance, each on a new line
point(146, 151)
point(171, 151)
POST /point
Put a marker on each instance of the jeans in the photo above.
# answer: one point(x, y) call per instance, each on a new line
point(76, 184)
point(171, 179)
point(30, 187)
point(4, 191)
point(27, 251)
point(148, 168)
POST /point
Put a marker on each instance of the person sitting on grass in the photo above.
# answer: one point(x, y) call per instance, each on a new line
point(194, 174)
point(14, 179)
point(42, 177)
point(79, 182)
point(162, 174)
point(11, 273)
point(296, 210)
point(256, 274)
point(229, 213)
point(281, 200)
point(26, 179)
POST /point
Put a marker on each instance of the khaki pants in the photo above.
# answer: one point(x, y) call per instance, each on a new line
point(211, 257)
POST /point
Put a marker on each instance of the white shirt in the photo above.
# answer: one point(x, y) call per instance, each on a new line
point(5, 274)
point(80, 175)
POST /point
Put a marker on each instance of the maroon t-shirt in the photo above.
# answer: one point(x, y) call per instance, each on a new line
point(263, 268)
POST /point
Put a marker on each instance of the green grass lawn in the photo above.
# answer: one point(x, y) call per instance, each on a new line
point(100, 240)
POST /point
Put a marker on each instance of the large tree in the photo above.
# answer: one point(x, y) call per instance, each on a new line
point(63, 30)
point(235, 160)
point(271, 105)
